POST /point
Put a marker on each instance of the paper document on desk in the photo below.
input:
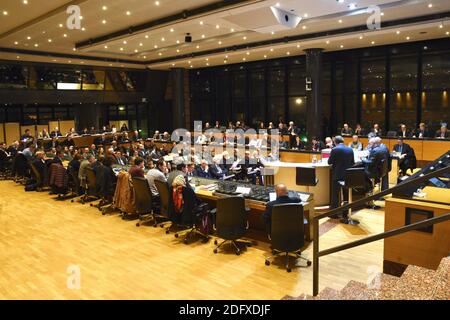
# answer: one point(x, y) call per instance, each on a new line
point(243, 190)
point(304, 197)
point(168, 158)
point(272, 196)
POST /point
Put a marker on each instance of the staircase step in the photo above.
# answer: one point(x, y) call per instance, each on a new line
point(328, 294)
point(416, 283)
point(442, 290)
point(303, 296)
point(355, 290)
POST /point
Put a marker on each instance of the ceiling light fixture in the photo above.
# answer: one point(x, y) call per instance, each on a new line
point(157, 3)
point(105, 8)
point(128, 13)
point(104, 21)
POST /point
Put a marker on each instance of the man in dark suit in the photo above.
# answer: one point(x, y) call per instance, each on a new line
point(341, 158)
point(376, 131)
point(217, 170)
point(282, 198)
point(422, 132)
point(403, 132)
point(203, 170)
point(346, 130)
point(407, 158)
point(102, 140)
point(317, 145)
point(442, 133)
point(41, 166)
point(55, 133)
point(377, 154)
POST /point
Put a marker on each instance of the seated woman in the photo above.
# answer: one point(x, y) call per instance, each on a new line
point(298, 144)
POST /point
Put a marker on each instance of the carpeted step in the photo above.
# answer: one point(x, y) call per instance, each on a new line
point(416, 283)
point(442, 289)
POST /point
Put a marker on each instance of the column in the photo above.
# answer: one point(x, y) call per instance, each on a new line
point(314, 110)
point(178, 102)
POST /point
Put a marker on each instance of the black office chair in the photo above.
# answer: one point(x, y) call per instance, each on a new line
point(91, 193)
point(21, 168)
point(143, 201)
point(5, 166)
point(190, 217)
point(287, 232)
point(354, 178)
point(36, 175)
point(166, 204)
point(231, 221)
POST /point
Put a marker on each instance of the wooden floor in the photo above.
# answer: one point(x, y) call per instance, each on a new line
point(40, 238)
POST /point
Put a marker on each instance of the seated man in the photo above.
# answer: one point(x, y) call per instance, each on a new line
point(407, 158)
point(317, 145)
point(346, 130)
point(203, 170)
point(356, 145)
point(442, 133)
point(137, 170)
point(403, 133)
point(421, 132)
point(41, 167)
point(159, 173)
point(282, 198)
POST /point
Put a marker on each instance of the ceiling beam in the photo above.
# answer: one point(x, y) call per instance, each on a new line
point(305, 37)
point(41, 18)
point(184, 15)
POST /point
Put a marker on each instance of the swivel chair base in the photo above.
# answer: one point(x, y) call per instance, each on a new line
point(234, 243)
point(296, 254)
point(189, 233)
point(349, 221)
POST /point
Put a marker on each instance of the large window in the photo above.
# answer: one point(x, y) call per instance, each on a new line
point(403, 91)
point(13, 77)
point(276, 95)
point(436, 86)
point(373, 93)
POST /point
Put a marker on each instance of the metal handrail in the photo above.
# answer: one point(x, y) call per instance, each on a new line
point(317, 254)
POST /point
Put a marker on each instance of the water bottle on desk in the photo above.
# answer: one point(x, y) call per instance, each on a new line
point(314, 159)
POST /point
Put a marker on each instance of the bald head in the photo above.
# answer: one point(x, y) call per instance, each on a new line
point(281, 190)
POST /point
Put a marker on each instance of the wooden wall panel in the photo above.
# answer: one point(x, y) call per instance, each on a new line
point(23, 128)
point(12, 132)
point(52, 125)
point(433, 149)
point(2, 133)
point(65, 126)
point(415, 247)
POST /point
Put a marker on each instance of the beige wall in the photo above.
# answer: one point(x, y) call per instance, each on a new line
point(12, 132)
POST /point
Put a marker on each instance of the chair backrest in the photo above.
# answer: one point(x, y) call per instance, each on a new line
point(165, 195)
point(142, 195)
point(384, 169)
point(306, 176)
point(36, 174)
point(355, 177)
point(287, 227)
point(74, 177)
point(231, 218)
point(91, 181)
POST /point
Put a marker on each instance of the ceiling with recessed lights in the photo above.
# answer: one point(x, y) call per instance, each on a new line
point(151, 34)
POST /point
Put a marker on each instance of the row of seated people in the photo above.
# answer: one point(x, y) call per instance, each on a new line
point(44, 134)
point(421, 132)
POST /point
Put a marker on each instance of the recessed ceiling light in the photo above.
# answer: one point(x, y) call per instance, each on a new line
point(192, 66)
point(60, 25)
point(146, 36)
point(226, 57)
point(128, 13)
point(407, 38)
point(136, 50)
point(232, 30)
point(141, 44)
point(49, 40)
point(18, 57)
point(121, 49)
point(160, 53)
point(74, 49)
point(25, 1)
point(178, 41)
point(217, 26)
point(65, 35)
point(157, 3)
point(83, 29)
point(124, 41)
point(382, 14)
point(5, 13)
point(178, 50)
point(172, 30)
point(298, 46)
point(189, 62)
point(340, 21)
point(198, 47)
point(430, 5)
point(304, 27)
point(220, 42)
point(201, 22)
point(447, 33)
point(277, 4)
point(173, 64)
point(273, 32)
point(36, 45)
point(288, 53)
point(265, 56)
point(373, 42)
point(245, 38)
point(341, 45)
point(69, 61)
point(104, 21)
point(155, 46)
point(28, 38)
point(105, 8)
point(163, 39)
point(82, 62)
point(203, 36)
point(328, 42)
point(441, 26)
point(207, 64)
point(207, 59)
point(81, 18)
point(305, 15)
point(271, 49)
point(248, 53)
point(360, 37)
point(106, 47)
point(397, 32)
point(16, 43)
point(243, 59)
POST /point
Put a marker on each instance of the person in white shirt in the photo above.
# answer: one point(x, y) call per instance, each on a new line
point(157, 174)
